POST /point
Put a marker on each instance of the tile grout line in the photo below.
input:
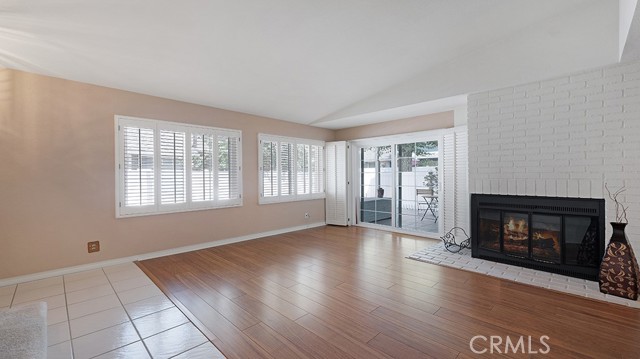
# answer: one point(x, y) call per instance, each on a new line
point(87, 300)
point(13, 297)
point(106, 295)
point(128, 316)
point(189, 322)
point(66, 305)
point(207, 341)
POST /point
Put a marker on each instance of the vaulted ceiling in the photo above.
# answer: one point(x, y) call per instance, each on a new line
point(330, 63)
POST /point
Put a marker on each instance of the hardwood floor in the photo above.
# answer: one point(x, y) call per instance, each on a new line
point(333, 292)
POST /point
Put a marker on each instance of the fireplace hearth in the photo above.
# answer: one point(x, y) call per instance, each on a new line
point(558, 235)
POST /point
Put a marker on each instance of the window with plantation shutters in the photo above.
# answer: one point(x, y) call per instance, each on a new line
point(291, 169)
point(165, 167)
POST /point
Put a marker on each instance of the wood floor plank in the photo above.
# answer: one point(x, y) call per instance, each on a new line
point(223, 305)
point(303, 340)
point(442, 299)
point(233, 342)
point(392, 295)
point(396, 349)
point(346, 343)
point(286, 308)
point(274, 343)
point(352, 276)
point(331, 315)
point(415, 339)
point(219, 284)
point(332, 297)
point(335, 292)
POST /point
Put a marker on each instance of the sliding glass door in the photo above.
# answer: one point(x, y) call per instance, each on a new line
point(376, 185)
point(416, 204)
point(399, 185)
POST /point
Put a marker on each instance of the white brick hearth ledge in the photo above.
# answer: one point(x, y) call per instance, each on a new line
point(437, 254)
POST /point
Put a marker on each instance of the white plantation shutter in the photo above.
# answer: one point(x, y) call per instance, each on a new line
point(139, 166)
point(447, 212)
point(291, 169)
point(455, 201)
point(317, 169)
point(269, 169)
point(165, 167)
point(336, 183)
point(172, 167)
point(304, 172)
point(287, 174)
point(229, 183)
point(202, 177)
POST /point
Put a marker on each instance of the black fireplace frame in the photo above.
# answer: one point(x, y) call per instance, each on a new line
point(561, 206)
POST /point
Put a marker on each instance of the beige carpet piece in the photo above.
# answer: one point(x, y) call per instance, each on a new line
point(23, 332)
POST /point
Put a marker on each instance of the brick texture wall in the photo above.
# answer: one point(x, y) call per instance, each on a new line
point(561, 137)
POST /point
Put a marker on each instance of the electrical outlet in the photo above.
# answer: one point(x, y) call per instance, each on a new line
point(306, 215)
point(93, 246)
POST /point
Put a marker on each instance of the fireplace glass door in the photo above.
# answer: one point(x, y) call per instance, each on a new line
point(489, 229)
point(545, 238)
point(515, 231)
point(581, 241)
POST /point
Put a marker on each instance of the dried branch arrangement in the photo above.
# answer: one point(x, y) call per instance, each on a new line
point(621, 210)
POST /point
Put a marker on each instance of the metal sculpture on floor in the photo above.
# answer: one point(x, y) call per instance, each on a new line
point(450, 243)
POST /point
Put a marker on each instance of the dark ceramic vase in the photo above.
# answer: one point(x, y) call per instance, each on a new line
point(380, 192)
point(619, 272)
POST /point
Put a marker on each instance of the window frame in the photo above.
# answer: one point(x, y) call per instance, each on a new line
point(158, 207)
point(295, 196)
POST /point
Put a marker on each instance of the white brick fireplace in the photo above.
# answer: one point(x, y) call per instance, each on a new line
point(562, 137)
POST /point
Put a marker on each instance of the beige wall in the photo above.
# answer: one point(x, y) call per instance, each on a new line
point(57, 182)
point(413, 124)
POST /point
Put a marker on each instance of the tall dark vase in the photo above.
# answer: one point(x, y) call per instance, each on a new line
point(619, 272)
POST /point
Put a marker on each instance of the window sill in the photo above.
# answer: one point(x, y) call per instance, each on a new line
point(222, 206)
point(272, 200)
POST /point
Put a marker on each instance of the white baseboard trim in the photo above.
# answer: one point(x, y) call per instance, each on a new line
point(167, 252)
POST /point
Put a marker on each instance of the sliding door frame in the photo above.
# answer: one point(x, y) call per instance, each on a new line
point(393, 140)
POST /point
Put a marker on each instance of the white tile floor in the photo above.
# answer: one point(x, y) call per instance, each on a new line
point(112, 312)
point(437, 254)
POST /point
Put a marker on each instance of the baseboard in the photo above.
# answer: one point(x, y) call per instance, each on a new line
point(167, 252)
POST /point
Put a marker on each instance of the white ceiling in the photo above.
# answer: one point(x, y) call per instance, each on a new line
point(331, 63)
